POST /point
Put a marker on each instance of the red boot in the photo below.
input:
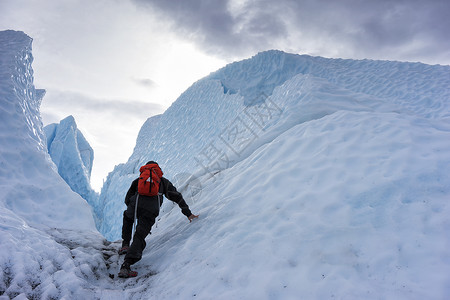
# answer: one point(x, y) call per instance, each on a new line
point(125, 271)
point(123, 250)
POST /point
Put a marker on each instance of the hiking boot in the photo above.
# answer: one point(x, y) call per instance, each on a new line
point(123, 250)
point(125, 271)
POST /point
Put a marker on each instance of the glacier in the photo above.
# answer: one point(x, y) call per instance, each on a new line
point(30, 185)
point(273, 92)
point(314, 178)
point(72, 155)
point(36, 205)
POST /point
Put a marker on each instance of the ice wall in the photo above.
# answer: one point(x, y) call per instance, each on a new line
point(73, 156)
point(264, 96)
point(319, 179)
point(30, 187)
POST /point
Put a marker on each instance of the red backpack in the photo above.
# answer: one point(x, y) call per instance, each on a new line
point(148, 184)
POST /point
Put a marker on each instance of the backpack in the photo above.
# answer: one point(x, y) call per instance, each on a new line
point(148, 184)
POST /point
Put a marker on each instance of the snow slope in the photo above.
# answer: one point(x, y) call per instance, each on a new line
point(320, 178)
point(314, 178)
point(73, 156)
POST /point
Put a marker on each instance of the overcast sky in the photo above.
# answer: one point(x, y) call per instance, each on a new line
point(114, 63)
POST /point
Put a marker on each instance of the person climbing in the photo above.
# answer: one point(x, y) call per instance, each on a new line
point(146, 191)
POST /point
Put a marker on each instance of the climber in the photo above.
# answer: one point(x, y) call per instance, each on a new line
point(147, 191)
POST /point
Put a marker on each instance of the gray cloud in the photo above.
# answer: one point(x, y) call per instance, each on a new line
point(382, 29)
point(216, 28)
point(69, 102)
point(144, 82)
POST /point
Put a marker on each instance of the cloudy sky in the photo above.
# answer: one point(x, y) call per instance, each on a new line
point(114, 63)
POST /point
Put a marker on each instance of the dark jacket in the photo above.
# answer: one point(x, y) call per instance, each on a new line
point(150, 203)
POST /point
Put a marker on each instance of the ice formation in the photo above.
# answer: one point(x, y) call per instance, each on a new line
point(314, 178)
point(73, 156)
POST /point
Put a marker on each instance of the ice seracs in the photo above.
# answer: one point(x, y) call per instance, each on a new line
point(30, 186)
point(73, 156)
point(39, 213)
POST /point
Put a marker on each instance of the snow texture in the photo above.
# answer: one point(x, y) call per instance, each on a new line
point(314, 178)
point(73, 156)
point(34, 199)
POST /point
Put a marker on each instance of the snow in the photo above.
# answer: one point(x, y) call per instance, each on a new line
point(314, 178)
point(342, 232)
